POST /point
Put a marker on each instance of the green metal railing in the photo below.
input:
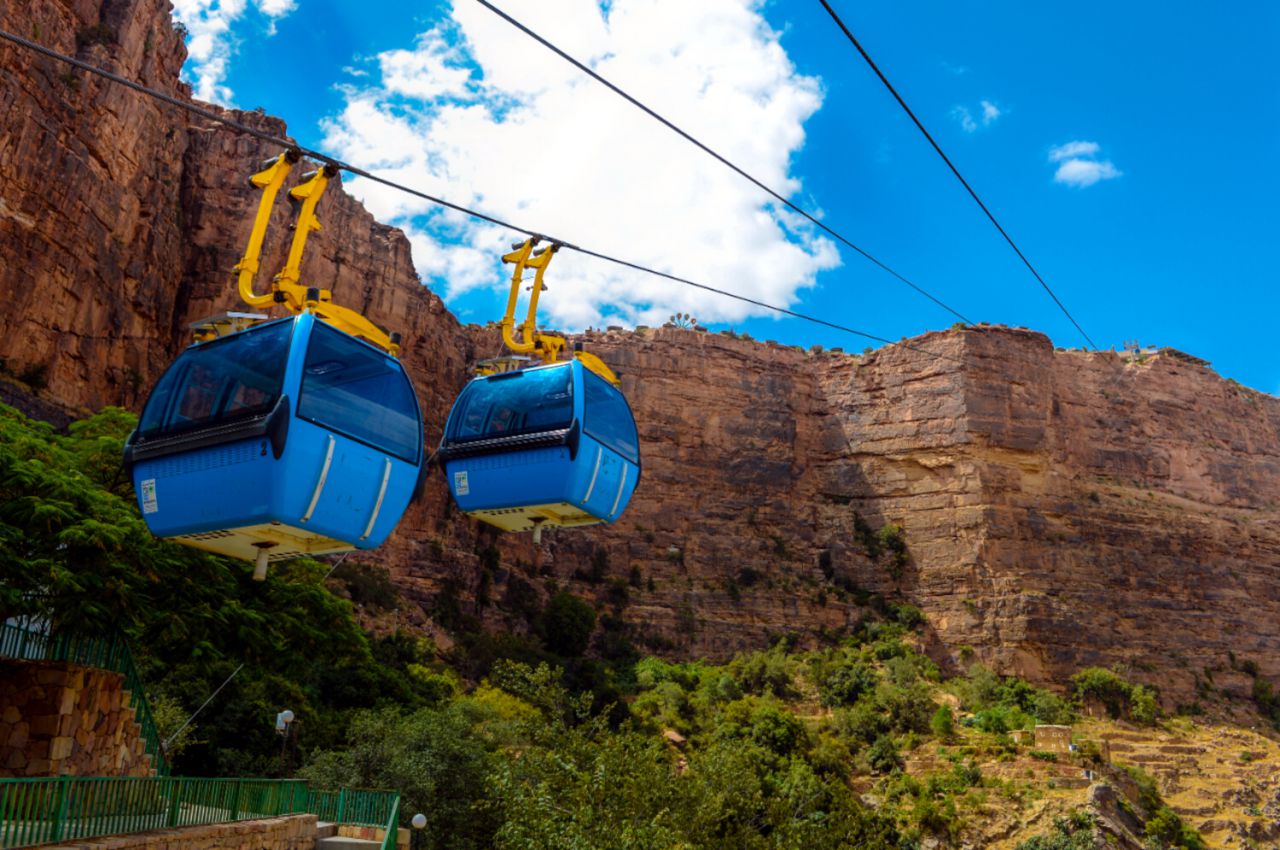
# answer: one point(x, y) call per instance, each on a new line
point(392, 827)
point(349, 805)
point(43, 811)
point(105, 653)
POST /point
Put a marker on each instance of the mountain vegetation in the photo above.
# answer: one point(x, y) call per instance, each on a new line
point(513, 742)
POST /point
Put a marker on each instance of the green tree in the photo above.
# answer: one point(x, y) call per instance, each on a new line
point(568, 623)
point(75, 550)
point(942, 723)
point(439, 760)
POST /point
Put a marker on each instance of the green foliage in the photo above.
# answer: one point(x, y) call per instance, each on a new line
point(1001, 704)
point(892, 541)
point(942, 724)
point(883, 756)
point(367, 585)
point(439, 759)
point(1105, 686)
point(568, 623)
point(843, 684)
point(1267, 700)
point(1164, 829)
point(1120, 698)
point(764, 673)
point(1143, 708)
point(1074, 832)
point(74, 550)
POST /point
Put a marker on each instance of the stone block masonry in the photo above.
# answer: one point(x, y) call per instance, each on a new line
point(59, 719)
point(294, 832)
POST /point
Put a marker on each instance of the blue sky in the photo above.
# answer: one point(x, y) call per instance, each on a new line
point(1172, 108)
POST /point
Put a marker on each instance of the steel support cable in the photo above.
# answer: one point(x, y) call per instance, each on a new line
point(938, 148)
point(591, 72)
point(210, 115)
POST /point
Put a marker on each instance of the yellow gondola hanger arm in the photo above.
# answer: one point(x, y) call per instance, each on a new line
point(546, 346)
point(269, 180)
point(285, 287)
point(309, 193)
point(520, 256)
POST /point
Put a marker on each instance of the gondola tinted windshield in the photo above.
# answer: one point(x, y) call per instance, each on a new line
point(351, 388)
point(220, 381)
point(609, 419)
point(526, 402)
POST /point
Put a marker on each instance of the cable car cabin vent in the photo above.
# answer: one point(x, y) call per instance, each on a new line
point(281, 541)
point(208, 535)
point(514, 459)
point(183, 464)
point(526, 518)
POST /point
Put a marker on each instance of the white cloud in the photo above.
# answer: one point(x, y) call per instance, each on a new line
point(987, 115)
point(210, 43)
point(1073, 149)
point(1079, 165)
point(478, 113)
point(1085, 172)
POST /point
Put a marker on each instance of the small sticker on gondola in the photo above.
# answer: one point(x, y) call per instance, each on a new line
point(460, 484)
point(149, 505)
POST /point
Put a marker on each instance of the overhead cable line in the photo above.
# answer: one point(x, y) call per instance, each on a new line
point(591, 72)
point(920, 126)
point(262, 135)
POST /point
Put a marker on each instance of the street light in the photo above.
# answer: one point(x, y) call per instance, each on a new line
point(419, 821)
point(283, 721)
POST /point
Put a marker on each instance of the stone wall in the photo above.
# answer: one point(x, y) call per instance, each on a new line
point(59, 719)
point(295, 832)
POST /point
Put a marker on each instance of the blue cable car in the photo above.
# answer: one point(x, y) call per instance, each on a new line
point(551, 445)
point(289, 438)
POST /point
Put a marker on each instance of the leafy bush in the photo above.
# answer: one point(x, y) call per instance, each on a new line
point(568, 622)
point(763, 673)
point(882, 756)
point(1074, 832)
point(942, 724)
point(368, 585)
point(75, 551)
point(1117, 695)
point(844, 684)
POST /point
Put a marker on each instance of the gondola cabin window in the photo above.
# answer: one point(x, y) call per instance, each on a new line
point(526, 402)
point(220, 381)
point(353, 389)
point(608, 418)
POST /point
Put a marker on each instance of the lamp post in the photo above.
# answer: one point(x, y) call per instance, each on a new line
point(283, 721)
point(418, 822)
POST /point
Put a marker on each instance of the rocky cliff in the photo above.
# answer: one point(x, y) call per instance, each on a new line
point(1046, 509)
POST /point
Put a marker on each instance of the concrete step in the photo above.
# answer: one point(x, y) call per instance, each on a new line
point(338, 842)
point(325, 829)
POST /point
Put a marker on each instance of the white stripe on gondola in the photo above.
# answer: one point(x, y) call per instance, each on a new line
point(594, 473)
point(377, 506)
point(618, 498)
point(324, 473)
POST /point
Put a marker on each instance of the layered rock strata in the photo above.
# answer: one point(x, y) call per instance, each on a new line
point(1046, 509)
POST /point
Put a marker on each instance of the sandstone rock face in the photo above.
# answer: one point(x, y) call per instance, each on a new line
point(1058, 509)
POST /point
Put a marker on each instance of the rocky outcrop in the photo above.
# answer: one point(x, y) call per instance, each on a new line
point(1046, 509)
